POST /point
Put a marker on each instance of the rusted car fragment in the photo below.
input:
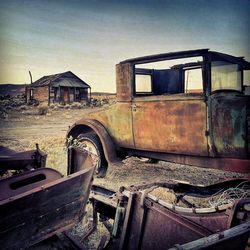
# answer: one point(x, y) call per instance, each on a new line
point(12, 160)
point(142, 220)
point(230, 239)
point(36, 204)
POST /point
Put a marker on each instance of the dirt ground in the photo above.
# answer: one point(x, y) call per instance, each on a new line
point(22, 129)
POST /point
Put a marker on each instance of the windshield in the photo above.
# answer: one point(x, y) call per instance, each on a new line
point(225, 75)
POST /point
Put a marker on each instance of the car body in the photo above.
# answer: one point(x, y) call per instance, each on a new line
point(161, 112)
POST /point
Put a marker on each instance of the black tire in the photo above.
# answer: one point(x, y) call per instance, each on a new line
point(93, 139)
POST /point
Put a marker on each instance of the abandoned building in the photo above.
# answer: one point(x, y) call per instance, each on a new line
point(63, 88)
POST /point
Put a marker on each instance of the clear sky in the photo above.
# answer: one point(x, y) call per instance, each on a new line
point(90, 37)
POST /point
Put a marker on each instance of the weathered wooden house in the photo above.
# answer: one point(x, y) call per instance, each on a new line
point(60, 88)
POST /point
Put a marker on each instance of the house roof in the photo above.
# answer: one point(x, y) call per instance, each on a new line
point(66, 79)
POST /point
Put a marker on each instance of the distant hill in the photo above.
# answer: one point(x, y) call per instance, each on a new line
point(12, 89)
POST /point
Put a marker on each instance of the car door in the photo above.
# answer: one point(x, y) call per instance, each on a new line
point(172, 123)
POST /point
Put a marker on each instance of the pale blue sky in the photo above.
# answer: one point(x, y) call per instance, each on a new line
point(90, 37)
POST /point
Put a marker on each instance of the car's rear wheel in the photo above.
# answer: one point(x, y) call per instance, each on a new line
point(91, 143)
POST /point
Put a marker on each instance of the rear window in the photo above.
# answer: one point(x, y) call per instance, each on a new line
point(143, 83)
point(226, 76)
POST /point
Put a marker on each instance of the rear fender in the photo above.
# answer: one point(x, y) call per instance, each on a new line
point(89, 125)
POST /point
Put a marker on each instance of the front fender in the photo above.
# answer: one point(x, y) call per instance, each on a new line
point(91, 125)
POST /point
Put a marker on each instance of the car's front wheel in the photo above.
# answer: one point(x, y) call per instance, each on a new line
point(91, 143)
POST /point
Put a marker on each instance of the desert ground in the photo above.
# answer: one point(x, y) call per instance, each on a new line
point(21, 129)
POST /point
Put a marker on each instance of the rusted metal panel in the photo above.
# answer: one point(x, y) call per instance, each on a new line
point(170, 125)
point(86, 125)
point(228, 125)
point(26, 181)
point(118, 122)
point(162, 228)
point(226, 164)
point(231, 239)
point(39, 208)
point(124, 82)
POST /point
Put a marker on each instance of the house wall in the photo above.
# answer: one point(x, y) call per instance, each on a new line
point(64, 96)
point(68, 95)
point(41, 94)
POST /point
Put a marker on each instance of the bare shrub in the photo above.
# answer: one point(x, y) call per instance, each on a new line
point(52, 106)
point(43, 110)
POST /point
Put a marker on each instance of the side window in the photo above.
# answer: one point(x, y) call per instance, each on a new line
point(143, 84)
point(169, 77)
point(226, 75)
point(193, 81)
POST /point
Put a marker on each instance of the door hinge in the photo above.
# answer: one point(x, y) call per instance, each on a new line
point(207, 133)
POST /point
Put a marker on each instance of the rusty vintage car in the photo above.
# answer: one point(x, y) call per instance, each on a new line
point(187, 107)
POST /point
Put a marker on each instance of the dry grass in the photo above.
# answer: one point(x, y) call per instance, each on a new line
point(164, 194)
point(56, 154)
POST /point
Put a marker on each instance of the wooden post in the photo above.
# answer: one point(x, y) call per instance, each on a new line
point(30, 77)
point(59, 94)
point(89, 94)
point(49, 94)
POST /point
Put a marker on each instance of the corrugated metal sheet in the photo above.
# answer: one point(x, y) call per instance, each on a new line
point(66, 79)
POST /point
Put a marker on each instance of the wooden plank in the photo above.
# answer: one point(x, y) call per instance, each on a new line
point(39, 228)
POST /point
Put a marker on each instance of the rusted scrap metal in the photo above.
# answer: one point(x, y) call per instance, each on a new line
point(77, 160)
point(230, 239)
point(37, 204)
point(143, 221)
point(12, 160)
point(230, 125)
point(27, 181)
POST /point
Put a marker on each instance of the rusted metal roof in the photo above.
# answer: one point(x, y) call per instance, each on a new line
point(66, 79)
point(189, 53)
point(166, 56)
